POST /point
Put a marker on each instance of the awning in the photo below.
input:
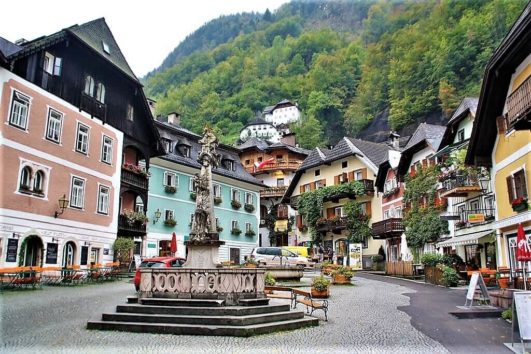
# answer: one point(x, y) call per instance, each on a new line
point(450, 148)
point(470, 239)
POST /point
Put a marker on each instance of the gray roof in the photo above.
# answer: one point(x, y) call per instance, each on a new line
point(253, 142)
point(430, 133)
point(7, 48)
point(295, 149)
point(376, 152)
point(268, 109)
point(467, 104)
point(177, 133)
point(262, 145)
point(257, 121)
point(315, 158)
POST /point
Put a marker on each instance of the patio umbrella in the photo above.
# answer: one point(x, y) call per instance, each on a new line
point(523, 250)
point(173, 245)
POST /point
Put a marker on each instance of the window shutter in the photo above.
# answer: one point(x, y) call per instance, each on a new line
point(501, 124)
point(424, 163)
point(364, 173)
point(312, 186)
point(351, 176)
point(301, 189)
point(520, 184)
point(510, 188)
point(330, 213)
point(336, 180)
point(344, 176)
point(323, 182)
point(368, 209)
point(299, 221)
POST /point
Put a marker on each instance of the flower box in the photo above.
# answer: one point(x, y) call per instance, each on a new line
point(236, 232)
point(170, 222)
point(170, 189)
point(218, 200)
point(519, 204)
point(249, 208)
point(320, 294)
point(250, 233)
point(193, 195)
point(235, 204)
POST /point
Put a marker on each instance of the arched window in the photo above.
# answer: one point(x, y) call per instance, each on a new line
point(68, 254)
point(25, 178)
point(89, 85)
point(100, 92)
point(38, 182)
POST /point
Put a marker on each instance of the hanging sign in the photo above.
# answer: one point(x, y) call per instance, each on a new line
point(12, 248)
point(473, 218)
point(51, 253)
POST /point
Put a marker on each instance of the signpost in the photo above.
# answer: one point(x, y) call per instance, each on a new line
point(522, 313)
point(355, 251)
point(476, 280)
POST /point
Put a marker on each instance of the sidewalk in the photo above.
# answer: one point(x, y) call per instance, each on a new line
point(429, 310)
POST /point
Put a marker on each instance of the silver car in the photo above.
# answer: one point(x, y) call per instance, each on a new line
point(277, 255)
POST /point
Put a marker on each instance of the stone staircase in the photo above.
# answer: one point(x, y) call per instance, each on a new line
point(202, 317)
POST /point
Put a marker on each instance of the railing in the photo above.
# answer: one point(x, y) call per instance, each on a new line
point(332, 224)
point(470, 218)
point(275, 165)
point(93, 106)
point(126, 225)
point(389, 227)
point(368, 185)
point(460, 181)
point(273, 192)
point(519, 103)
point(400, 268)
point(134, 179)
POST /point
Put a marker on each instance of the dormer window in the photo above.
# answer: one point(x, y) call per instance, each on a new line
point(167, 145)
point(184, 148)
point(106, 48)
point(230, 165)
point(186, 151)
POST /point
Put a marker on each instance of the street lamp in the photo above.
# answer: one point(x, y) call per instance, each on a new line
point(484, 184)
point(63, 204)
point(158, 214)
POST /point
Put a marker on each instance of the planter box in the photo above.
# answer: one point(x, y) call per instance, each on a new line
point(320, 294)
point(340, 279)
point(520, 207)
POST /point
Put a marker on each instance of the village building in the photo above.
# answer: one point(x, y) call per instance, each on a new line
point(274, 164)
point(172, 196)
point(260, 129)
point(77, 137)
point(501, 140)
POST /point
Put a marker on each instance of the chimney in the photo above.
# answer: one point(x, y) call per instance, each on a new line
point(21, 41)
point(174, 118)
point(288, 139)
point(394, 140)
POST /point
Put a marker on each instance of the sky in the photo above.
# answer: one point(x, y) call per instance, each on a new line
point(146, 31)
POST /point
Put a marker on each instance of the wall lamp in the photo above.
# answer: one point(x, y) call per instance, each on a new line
point(158, 214)
point(63, 204)
point(55, 240)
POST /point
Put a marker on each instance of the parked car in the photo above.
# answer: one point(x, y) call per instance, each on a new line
point(274, 255)
point(157, 262)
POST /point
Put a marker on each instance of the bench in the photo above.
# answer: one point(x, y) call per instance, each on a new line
point(286, 292)
point(305, 298)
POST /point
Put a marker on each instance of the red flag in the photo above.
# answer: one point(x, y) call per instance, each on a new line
point(523, 248)
point(268, 161)
point(173, 245)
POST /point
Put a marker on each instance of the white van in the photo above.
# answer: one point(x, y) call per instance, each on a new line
point(274, 255)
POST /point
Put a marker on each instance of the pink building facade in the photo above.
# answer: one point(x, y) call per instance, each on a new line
point(49, 149)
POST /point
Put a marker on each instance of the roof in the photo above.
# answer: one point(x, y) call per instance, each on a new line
point(430, 133)
point(376, 152)
point(468, 104)
point(514, 48)
point(227, 152)
point(7, 48)
point(268, 109)
point(295, 149)
point(257, 121)
point(262, 145)
point(253, 143)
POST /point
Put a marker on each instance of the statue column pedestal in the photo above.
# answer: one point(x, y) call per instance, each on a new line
point(203, 254)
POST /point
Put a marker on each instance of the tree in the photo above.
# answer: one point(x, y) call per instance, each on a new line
point(310, 133)
point(122, 249)
point(358, 228)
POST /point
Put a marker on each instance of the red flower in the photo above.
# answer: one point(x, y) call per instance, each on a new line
point(518, 201)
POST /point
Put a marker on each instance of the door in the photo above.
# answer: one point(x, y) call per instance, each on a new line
point(235, 255)
point(68, 254)
point(32, 254)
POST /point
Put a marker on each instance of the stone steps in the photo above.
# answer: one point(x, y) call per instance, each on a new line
point(205, 311)
point(205, 330)
point(182, 302)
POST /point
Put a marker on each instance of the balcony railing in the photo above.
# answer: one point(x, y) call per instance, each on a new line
point(273, 192)
point(134, 179)
point(368, 185)
point(93, 107)
point(459, 186)
point(336, 224)
point(388, 228)
point(132, 227)
point(274, 166)
point(519, 106)
point(470, 218)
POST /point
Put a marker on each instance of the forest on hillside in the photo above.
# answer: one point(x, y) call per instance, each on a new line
point(344, 62)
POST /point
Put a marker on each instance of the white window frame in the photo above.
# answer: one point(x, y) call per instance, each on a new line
point(28, 180)
point(34, 187)
point(106, 149)
point(307, 188)
point(174, 179)
point(191, 184)
point(338, 211)
point(170, 213)
point(217, 222)
point(100, 92)
point(217, 190)
point(386, 214)
point(89, 86)
point(103, 200)
point(86, 136)
point(105, 47)
point(248, 227)
point(232, 194)
point(54, 124)
point(234, 224)
point(398, 212)
point(20, 103)
point(358, 175)
point(79, 204)
point(130, 113)
point(247, 196)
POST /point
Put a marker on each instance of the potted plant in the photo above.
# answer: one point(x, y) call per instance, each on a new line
point(193, 195)
point(249, 208)
point(170, 222)
point(236, 231)
point(250, 233)
point(326, 267)
point(269, 281)
point(342, 275)
point(218, 200)
point(503, 282)
point(320, 287)
point(235, 204)
point(170, 189)
point(251, 263)
point(519, 204)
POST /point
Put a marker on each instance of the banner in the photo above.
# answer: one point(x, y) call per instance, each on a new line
point(355, 253)
point(472, 218)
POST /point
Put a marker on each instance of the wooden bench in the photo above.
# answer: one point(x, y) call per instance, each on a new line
point(285, 292)
point(305, 298)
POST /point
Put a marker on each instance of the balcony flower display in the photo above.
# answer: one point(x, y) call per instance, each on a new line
point(250, 233)
point(170, 189)
point(236, 231)
point(170, 222)
point(235, 204)
point(519, 204)
point(249, 208)
point(390, 192)
point(135, 217)
point(218, 200)
point(321, 221)
point(136, 169)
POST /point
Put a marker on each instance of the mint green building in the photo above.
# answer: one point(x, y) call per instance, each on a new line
point(171, 198)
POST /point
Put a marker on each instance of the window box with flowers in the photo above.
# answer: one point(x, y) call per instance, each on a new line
point(235, 204)
point(218, 200)
point(250, 233)
point(193, 195)
point(219, 229)
point(321, 221)
point(170, 189)
point(134, 217)
point(170, 222)
point(460, 224)
point(249, 208)
point(235, 231)
point(136, 169)
point(519, 204)
point(390, 192)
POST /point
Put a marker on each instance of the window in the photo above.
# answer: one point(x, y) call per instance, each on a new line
point(168, 214)
point(474, 206)
point(89, 86)
point(19, 110)
point(230, 165)
point(217, 190)
point(363, 207)
point(217, 222)
point(170, 179)
point(106, 150)
point(516, 186)
point(320, 184)
point(248, 198)
point(259, 159)
point(489, 206)
point(280, 182)
point(234, 224)
point(52, 65)
point(103, 200)
point(398, 212)
point(306, 188)
point(248, 227)
point(139, 207)
point(247, 162)
point(186, 151)
point(53, 126)
point(358, 175)
point(280, 157)
point(191, 186)
point(386, 214)
point(77, 194)
point(82, 138)
point(338, 211)
point(130, 113)
point(344, 164)
point(100, 92)
point(235, 195)
point(317, 173)
point(106, 48)
point(461, 212)
point(461, 135)
point(167, 145)
point(38, 182)
point(25, 178)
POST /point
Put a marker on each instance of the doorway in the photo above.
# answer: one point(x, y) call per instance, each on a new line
point(33, 251)
point(69, 252)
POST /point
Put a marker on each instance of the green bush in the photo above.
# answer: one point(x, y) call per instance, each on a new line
point(345, 271)
point(270, 279)
point(449, 277)
point(507, 314)
point(431, 259)
point(377, 258)
point(320, 283)
point(122, 248)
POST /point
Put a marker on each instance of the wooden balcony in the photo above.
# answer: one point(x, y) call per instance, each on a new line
point(93, 107)
point(273, 192)
point(278, 165)
point(392, 227)
point(459, 186)
point(519, 107)
point(127, 228)
point(368, 186)
point(134, 179)
point(333, 225)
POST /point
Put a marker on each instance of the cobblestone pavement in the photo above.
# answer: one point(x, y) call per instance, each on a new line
point(362, 319)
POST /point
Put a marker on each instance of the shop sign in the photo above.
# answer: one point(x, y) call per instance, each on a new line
point(152, 245)
point(473, 218)
point(12, 248)
point(281, 225)
point(355, 252)
point(51, 253)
